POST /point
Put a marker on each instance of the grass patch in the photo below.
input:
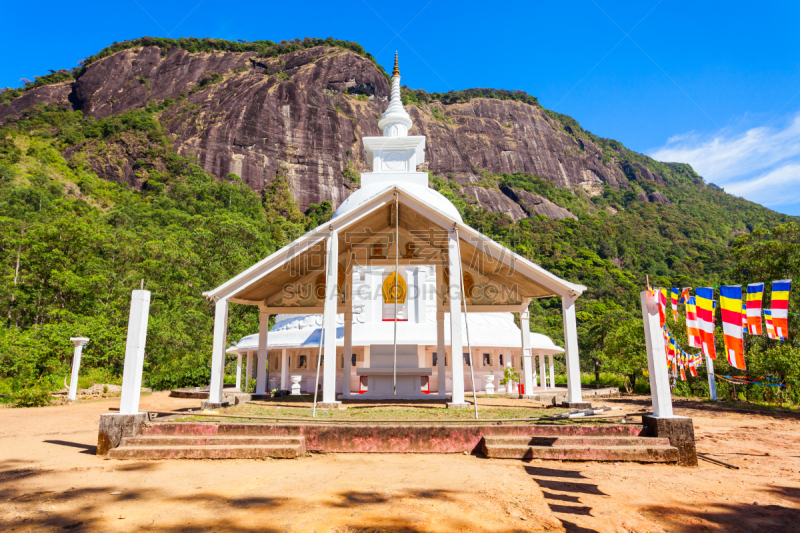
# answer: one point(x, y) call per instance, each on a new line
point(302, 408)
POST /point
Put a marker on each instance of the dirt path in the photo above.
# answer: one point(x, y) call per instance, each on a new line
point(51, 480)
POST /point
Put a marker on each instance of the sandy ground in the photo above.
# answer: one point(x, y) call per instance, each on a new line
point(50, 480)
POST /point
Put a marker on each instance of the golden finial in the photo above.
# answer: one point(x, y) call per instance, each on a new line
point(396, 71)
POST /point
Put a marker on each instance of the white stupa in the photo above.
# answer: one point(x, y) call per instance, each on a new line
point(293, 342)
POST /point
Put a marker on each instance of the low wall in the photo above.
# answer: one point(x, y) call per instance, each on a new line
point(341, 438)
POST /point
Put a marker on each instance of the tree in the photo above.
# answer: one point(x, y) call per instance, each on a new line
point(625, 352)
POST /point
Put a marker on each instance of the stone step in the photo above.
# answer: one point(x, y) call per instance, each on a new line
point(241, 429)
point(201, 440)
point(642, 454)
point(558, 441)
point(284, 451)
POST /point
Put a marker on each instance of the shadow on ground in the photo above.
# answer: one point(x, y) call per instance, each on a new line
point(103, 507)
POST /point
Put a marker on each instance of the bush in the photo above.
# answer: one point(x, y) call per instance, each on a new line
point(32, 397)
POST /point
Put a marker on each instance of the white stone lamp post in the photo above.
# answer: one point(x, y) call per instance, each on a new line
point(79, 343)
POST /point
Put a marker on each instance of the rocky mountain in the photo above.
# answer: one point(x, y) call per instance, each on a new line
point(307, 110)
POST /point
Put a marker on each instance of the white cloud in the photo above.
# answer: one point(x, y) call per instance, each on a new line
point(777, 187)
point(761, 164)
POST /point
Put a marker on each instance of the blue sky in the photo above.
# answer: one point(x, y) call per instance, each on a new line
point(713, 84)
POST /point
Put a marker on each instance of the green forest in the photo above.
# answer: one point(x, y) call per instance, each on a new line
point(73, 247)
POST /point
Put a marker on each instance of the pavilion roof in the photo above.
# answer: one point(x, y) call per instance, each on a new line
point(373, 223)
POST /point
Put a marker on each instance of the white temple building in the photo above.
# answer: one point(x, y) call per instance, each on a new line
point(375, 283)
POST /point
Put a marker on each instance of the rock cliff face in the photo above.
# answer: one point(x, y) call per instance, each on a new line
point(308, 110)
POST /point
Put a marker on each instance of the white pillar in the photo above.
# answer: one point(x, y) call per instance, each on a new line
point(656, 358)
point(456, 343)
point(552, 372)
point(441, 356)
point(239, 372)
point(712, 381)
point(527, 360)
point(261, 359)
point(331, 300)
point(542, 371)
point(134, 353)
point(571, 350)
point(441, 351)
point(347, 351)
point(248, 373)
point(79, 342)
point(218, 351)
point(284, 369)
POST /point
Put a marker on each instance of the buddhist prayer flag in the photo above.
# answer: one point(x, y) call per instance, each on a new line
point(755, 296)
point(780, 307)
point(692, 331)
point(684, 295)
point(730, 300)
point(692, 365)
point(675, 293)
point(744, 316)
point(705, 320)
point(662, 306)
point(770, 328)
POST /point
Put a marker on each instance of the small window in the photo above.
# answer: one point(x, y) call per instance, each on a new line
point(435, 359)
point(353, 360)
point(303, 363)
point(487, 359)
point(501, 359)
point(466, 359)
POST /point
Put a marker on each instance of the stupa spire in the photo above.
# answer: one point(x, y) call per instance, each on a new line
point(395, 122)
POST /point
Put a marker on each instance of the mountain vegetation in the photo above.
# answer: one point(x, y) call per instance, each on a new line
point(73, 245)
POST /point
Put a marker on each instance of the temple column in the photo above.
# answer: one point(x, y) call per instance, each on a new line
point(261, 359)
point(329, 314)
point(527, 360)
point(456, 343)
point(542, 371)
point(218, 351)
point(552, 372)
point(248, 371)
point(239, 372)
point(441, 354)
point(571, 350)
point(284, 369)
point(347, 352)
